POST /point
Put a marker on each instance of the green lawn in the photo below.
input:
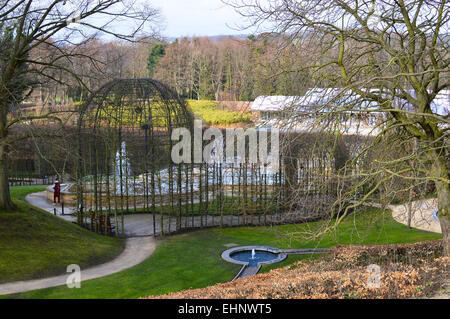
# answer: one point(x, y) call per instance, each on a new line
point(36, 244)
point(193, 260)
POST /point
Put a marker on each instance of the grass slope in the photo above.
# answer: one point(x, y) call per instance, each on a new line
point(35, 244)
point(193, 260)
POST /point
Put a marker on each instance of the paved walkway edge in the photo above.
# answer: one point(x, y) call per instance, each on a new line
point(422, 215)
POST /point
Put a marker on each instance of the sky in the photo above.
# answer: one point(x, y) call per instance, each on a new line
point(198, 18)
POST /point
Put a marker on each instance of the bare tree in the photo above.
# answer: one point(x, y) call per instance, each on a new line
point(63, 25)
point(389, 57)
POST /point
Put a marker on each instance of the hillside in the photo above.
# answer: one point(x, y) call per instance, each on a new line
point(35, 244)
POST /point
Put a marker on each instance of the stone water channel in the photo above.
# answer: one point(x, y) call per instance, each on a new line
point(252, 258)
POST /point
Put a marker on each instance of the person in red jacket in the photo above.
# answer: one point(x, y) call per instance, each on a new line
point(57, 191)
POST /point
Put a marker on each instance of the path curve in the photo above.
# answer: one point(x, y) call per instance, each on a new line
point(423, 212)
point(136, 250)
point(141, 224)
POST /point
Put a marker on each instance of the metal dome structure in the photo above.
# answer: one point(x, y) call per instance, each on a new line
point(124, 147)
point(124, 166)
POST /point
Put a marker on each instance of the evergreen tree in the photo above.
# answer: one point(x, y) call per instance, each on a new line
point(19, 82)
point(156, 53)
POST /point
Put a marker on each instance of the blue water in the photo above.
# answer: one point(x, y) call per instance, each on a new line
point(260, 256)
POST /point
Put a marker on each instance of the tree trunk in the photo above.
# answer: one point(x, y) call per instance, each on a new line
point(409, 208)
point(440, 170)
point(6, 203)
point(443, 192)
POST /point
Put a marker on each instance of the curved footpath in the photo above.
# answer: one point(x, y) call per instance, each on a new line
point(141, 224)
point(423, 215)
point(138, 249)
point(135, 252)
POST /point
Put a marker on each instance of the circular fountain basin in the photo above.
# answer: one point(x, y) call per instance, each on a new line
point(253, 256)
